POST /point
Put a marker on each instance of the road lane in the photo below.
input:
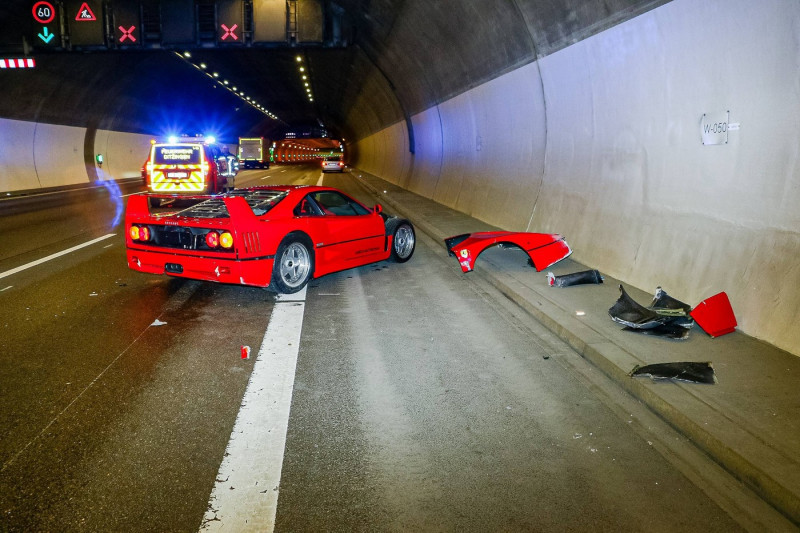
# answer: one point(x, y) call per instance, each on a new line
point(245, 493)
point(421, 401)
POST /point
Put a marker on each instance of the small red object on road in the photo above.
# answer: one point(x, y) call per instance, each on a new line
point(245, 352)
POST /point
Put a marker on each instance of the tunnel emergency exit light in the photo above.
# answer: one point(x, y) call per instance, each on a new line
point(18, 63)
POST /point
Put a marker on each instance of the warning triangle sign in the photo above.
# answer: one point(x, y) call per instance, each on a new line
point(85, 13)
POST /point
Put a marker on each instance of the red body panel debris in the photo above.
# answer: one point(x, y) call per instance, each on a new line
point(715, 315)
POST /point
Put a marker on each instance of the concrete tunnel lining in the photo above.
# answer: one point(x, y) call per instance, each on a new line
point(578, 118)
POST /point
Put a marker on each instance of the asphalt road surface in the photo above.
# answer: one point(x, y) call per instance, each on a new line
point(420, 399)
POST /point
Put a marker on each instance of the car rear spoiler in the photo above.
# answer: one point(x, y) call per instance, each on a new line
point(237, 207)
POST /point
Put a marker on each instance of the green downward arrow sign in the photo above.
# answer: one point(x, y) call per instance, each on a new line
point(46, 36)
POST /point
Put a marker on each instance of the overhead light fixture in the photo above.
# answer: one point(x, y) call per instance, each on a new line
point(187, 54)
point(202, 66)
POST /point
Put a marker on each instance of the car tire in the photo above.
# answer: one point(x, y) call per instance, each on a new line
point(404, 241)
point(294, 264)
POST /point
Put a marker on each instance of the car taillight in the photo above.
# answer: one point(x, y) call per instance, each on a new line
point(219, 240)
point(139, 233)
point(341, 164)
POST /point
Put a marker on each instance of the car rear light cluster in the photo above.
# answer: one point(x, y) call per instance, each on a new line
point(219, 240)
point(139, 233)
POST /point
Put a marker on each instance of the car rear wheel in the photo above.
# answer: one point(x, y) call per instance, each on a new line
point(294, 264)
point(403, 242)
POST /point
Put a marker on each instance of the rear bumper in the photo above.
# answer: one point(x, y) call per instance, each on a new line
point(256, 272)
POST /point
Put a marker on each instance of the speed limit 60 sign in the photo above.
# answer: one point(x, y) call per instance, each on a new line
point(45, 32)
point(44, 12)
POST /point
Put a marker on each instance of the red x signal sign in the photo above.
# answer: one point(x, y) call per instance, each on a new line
point(229, 32)
point(127, 34)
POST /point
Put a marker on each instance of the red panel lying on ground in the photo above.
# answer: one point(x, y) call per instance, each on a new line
point(715, 315)
point(543, 249)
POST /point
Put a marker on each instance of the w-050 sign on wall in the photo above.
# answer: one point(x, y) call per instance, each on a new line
point(714, 127)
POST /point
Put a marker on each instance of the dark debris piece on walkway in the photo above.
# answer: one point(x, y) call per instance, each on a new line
point(576, 278)
point(666, 316)
point(681, 371)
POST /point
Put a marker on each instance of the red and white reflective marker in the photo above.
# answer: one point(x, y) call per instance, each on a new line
point(18, 63)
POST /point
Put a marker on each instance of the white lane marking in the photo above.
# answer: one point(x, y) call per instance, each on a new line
point(245, 495)
point(319, 181)
point(53, 256)
point(38, 194)
point(1, 290)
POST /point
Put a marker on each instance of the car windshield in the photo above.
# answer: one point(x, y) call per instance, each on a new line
point(176, 154)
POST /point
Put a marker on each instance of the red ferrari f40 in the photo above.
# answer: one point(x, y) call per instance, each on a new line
point(280, 237)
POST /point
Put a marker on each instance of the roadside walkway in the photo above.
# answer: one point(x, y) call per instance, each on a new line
point(749, 422)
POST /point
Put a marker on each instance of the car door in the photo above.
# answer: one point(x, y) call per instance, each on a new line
point(346, 234)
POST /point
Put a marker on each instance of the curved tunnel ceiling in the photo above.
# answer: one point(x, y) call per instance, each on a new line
point(391, 59)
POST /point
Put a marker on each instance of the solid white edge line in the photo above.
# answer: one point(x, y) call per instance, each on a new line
point(38, 194)
point(54, 256)
point(245, 494)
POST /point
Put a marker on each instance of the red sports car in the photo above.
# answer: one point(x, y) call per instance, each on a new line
point(279, 236)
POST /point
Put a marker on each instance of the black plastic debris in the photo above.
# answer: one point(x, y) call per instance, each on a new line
point(666, 316)
point(628, 312)
point(668, 330)
point(683, 371)
point(664, 304)
point(576, 278)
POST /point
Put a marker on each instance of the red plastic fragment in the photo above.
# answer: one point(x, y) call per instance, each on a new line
point(549, 254)
point(715, 315)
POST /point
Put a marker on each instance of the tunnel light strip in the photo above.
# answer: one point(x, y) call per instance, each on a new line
point(215, 76)
point(53, 256)
point(245, 495)
point(18, 63)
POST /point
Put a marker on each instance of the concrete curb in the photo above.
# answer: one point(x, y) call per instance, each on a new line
point(735, 454)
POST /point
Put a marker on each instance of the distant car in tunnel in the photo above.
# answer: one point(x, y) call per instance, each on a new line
point(332, 164)
point(281, 236)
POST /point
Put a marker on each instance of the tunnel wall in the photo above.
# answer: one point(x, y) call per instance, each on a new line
point(601, 142)
point(37, 155)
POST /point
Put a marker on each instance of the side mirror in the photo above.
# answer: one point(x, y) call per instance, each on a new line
point(378, 209)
